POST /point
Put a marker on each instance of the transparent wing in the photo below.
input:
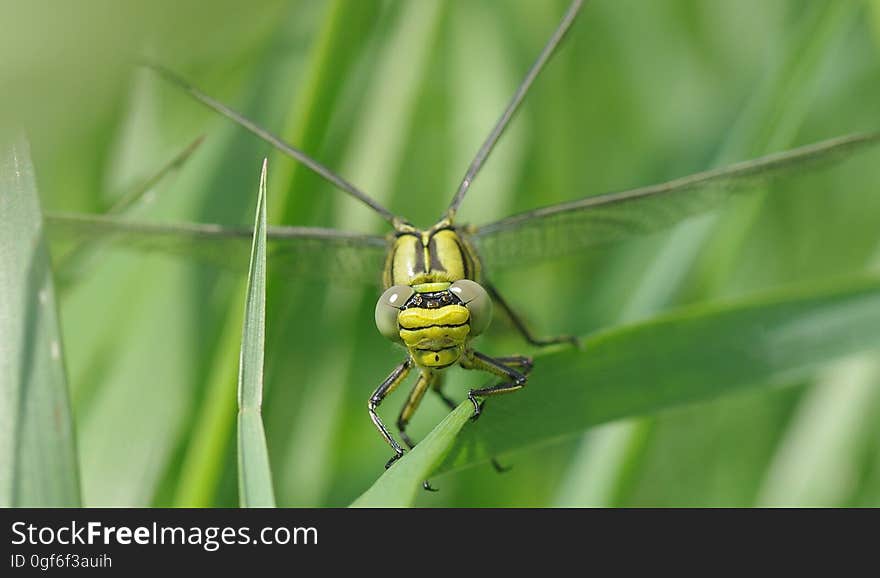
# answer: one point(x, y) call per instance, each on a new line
point(570, 227)
point(293, 251)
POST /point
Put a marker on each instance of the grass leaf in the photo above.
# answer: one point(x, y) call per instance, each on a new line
point(38, 462)
point(398, 486)
point(254, 474)
point(694, 354)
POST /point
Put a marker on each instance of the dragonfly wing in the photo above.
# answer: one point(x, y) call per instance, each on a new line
point(295, 251)
point(571, 227)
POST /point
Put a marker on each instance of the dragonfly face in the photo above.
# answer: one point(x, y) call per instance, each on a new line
point(434, 326)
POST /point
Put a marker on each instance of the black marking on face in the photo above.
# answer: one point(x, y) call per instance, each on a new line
point(433, 300)
point(430, 325)
point(438, 350)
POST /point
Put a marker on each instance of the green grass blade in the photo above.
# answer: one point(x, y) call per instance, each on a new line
point(254, 475)
point(695, 354)
point(816, 461)
point(38, 462)
point(398, 486)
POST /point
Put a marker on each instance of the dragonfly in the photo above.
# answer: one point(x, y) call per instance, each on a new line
point(437, 294)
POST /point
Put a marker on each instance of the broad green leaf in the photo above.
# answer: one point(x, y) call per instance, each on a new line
point(38, 463)
point(695, 354)
point(398, 486)
point(254, 474)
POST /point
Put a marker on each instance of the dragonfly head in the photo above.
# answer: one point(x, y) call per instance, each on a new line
point(434, 321)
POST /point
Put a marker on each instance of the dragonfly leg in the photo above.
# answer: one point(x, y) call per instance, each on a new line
point(437, 386)
point(521, 362)
point(512, 360)
point(426, 380)
point(521, 326)
point(514, 379)
point(391, 382)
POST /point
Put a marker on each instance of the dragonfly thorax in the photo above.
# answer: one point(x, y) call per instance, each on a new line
point(433, 256)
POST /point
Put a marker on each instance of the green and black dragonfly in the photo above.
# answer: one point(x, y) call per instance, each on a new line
point(437, 293)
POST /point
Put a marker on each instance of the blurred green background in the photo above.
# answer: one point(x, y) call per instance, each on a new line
point(397, 96)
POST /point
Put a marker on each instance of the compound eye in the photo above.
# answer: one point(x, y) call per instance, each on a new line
point(387, 309)
point(477, 301)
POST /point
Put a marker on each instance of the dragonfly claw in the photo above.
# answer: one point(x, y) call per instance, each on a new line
point(478, 406)
point(393, 459)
